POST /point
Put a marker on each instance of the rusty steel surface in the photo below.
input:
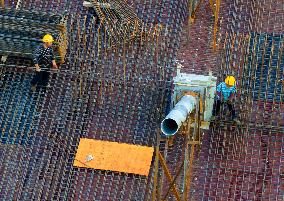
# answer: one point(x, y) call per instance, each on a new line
point(121, 93)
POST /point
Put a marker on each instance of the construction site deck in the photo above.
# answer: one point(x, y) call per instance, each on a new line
point(114, 86)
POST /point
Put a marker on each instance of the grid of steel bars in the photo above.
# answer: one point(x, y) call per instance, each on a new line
point(41, 130)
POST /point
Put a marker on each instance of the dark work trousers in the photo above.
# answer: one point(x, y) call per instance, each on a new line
point(41, 78)
point(218, 106)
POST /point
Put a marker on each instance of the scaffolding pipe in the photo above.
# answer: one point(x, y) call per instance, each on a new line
point(171, 124)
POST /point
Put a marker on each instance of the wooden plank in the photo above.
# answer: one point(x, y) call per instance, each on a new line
point(114, 156)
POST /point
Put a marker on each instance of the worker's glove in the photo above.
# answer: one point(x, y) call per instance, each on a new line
point(38, 69)
point(55, 66)
point(218, 95)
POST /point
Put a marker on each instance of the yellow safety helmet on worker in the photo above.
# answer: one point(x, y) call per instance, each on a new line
point(230, 81)
point(47, 38)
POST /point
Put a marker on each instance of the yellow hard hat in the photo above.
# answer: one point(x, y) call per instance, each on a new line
point(47, 38)
point(230, 80)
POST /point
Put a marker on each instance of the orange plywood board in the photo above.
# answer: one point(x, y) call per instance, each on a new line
point(114, 156)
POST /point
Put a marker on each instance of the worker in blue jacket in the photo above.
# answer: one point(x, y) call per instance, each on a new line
point(225, 94)
point(43, 58)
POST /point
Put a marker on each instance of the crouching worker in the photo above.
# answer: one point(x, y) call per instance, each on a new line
point(224, 95)
point(43, 58)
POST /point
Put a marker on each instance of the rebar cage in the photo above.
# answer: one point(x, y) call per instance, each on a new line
point(121, 93)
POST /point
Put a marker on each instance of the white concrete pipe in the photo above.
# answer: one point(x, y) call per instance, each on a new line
point(178, 115)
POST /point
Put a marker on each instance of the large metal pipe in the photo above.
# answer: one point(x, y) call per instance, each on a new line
point(178, 115)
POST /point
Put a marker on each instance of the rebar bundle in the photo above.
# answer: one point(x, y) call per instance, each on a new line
point(22, 31)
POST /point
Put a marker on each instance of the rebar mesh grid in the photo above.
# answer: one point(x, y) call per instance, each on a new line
point(245, 163)
point(96, 95)
point(86, 99)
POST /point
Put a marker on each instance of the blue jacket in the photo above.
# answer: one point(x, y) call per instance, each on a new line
point(225, 91)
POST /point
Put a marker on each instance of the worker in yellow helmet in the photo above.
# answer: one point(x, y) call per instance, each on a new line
point(224, 94)
point(43, 58)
